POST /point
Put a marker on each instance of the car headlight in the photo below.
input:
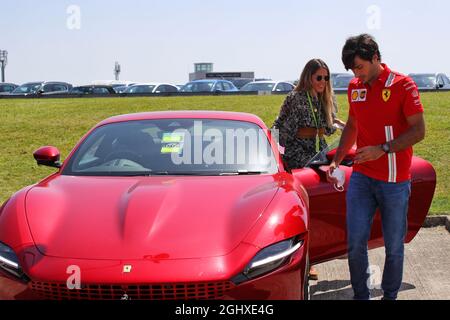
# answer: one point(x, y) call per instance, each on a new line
point(9, 261)
point(269, 259)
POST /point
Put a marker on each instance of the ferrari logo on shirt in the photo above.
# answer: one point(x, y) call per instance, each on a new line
point(386, 95)
point(359, 95)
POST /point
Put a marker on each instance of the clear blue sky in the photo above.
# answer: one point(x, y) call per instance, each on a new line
point(160, 40)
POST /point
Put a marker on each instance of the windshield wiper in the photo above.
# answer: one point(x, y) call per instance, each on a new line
point(242, 173)
point(110, 173)
point(131, 174)
point(206, 173)
point(185, 173)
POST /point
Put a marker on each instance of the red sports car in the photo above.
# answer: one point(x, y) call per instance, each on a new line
point(179, 205)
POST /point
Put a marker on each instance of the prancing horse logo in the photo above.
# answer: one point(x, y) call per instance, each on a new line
point(386, 95)
point(127, 268)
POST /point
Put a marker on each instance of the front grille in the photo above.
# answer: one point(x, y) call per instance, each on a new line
point(175, 291)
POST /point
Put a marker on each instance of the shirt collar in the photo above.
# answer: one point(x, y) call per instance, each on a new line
point(385, 74)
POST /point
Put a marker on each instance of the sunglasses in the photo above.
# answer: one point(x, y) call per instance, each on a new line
point(320, 78)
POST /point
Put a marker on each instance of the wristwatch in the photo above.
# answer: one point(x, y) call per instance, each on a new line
point(386, 147)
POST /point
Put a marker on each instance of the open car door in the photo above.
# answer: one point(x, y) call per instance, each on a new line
point(327, 206)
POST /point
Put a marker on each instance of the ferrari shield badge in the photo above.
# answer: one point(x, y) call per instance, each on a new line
point(126, 269)
point(386, 95)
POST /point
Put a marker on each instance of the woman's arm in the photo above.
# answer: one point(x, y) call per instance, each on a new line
point(337, 123)
point(285, 123)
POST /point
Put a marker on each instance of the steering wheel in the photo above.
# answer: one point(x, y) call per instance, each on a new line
point(125, 154)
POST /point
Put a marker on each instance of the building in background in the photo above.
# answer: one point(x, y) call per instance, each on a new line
point(205, 70)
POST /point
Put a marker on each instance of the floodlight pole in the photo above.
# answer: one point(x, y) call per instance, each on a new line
point(117, 71)
point(4, 62)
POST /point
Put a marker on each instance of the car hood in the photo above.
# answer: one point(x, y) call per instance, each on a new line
point(145, 217)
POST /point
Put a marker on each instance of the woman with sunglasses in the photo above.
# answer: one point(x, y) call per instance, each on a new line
point(307, 116)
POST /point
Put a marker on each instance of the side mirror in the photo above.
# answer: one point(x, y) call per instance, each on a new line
point(48, 156)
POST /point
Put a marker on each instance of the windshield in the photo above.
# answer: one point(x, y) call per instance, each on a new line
point(120, 89)
point(239, 83)
point(174, 147)
point(258, 87)
point(81, 90)
point(6, 88)
point(140, 89)
point(27, 88)
point(425, 80)
point(203, 86)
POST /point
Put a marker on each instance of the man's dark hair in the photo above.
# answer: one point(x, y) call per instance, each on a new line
point(363, 46)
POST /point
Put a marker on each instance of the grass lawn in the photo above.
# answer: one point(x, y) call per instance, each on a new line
point(27, 124)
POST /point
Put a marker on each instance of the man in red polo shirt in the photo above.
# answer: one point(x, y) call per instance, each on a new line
point(385, 121)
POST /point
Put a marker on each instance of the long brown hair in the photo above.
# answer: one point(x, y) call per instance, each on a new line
point(305, 84)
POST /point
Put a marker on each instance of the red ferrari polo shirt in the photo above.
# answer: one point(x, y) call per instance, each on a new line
point(381, 111)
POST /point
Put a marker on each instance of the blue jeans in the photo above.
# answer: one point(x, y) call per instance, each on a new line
point(364, 196)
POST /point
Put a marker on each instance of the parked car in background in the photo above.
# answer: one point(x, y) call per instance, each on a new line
point(271, 86)
point(42, 88)
point(143, 88)
point(26, 89)
point(113, 83)
point(334, 75)
point(120, 89)
point(116, 84)
point(7, 87)
point(341, 81)
point(51, 88)
point(93, 89)
point(239, 83)
point(430, 81)
point(209, 86)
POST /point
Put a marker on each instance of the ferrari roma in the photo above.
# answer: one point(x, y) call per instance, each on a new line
point(179, 205)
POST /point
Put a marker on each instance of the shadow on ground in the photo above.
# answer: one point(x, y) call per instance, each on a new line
point(342, 290)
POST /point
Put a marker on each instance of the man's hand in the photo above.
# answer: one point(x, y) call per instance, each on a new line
point(348, 139)
point(330, 172)
point(367, 154)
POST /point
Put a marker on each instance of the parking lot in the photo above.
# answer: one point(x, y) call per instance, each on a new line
point(426, 277)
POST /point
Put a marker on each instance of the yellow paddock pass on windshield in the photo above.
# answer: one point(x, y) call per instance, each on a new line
point(172, 143)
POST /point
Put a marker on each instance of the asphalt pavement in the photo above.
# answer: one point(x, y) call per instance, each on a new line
point(426, 271)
